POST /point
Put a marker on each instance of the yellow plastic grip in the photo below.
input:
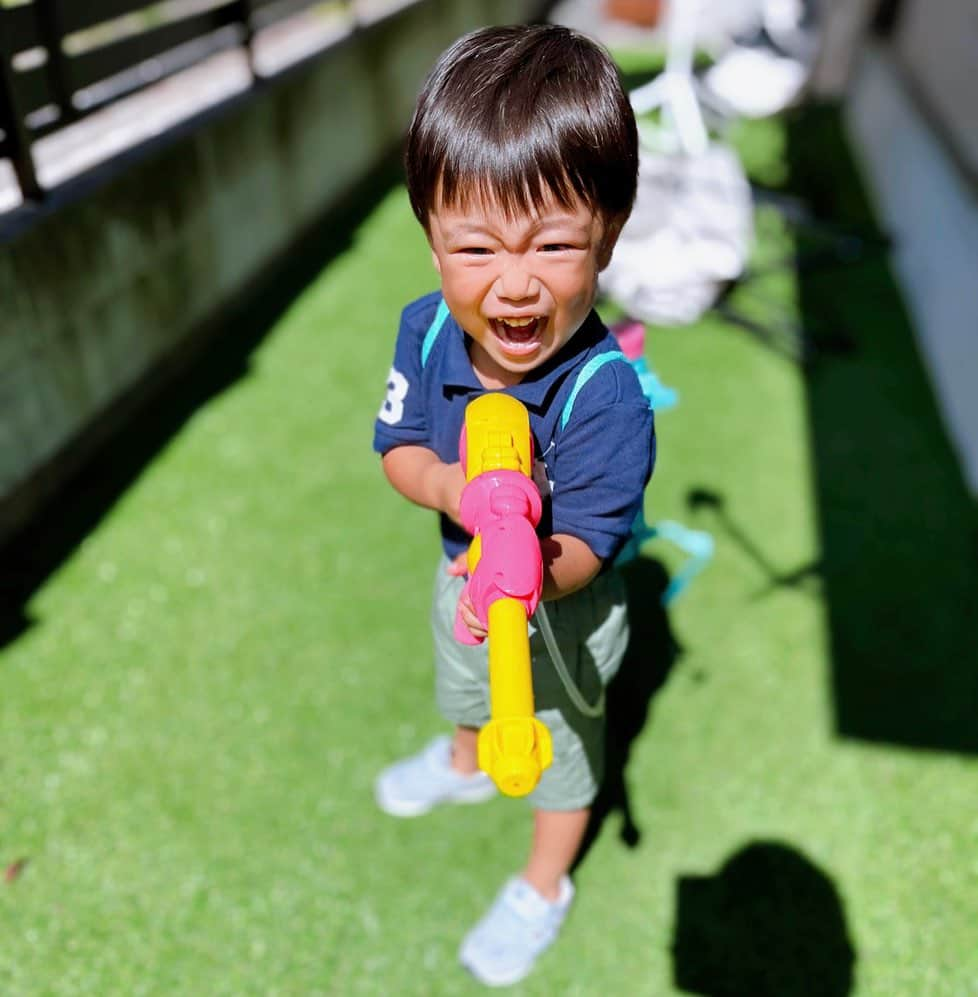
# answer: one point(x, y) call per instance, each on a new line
point(497, 436)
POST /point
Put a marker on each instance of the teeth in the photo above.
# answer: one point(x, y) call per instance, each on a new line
point(518, 323)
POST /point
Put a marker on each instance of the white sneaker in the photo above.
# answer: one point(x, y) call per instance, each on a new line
point(502, 948)
point(415, 785)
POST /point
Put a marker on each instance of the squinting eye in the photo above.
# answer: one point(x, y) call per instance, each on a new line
point(556, 247)
point(475, 251)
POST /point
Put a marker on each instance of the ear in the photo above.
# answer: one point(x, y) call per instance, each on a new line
point(608, 241)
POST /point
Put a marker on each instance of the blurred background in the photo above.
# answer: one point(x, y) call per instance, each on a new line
point(213, 610)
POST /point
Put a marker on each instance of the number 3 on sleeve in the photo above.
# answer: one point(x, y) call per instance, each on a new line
point(392, 410)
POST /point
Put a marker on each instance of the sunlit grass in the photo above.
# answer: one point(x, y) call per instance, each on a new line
point(190, 728)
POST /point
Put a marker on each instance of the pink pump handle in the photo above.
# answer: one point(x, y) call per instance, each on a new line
point(502, 508)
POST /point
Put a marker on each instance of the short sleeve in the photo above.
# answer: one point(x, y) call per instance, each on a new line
point(401, 419)
point(602, 462)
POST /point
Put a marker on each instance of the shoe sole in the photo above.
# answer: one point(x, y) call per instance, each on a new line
point(408, 808)
point(503, 980)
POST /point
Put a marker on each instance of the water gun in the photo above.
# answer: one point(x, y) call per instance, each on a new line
point(500, 506)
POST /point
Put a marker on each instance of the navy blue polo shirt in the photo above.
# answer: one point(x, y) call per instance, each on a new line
point(596, 465)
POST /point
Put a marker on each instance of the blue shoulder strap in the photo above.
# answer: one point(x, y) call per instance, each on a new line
point(432, 334)
point(583, 376)
point(696, 544)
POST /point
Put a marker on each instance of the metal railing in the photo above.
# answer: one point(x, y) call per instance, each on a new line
point(62, 60)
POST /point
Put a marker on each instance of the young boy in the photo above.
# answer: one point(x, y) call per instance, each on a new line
point(521, 167)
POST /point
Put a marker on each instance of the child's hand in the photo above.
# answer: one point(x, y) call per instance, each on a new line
point(458, 567)
point(467, 612)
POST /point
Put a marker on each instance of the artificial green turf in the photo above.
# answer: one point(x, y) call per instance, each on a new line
point(190, 724)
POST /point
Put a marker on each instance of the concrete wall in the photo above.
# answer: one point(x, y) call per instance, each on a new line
point(932, 211)
point(128, 268)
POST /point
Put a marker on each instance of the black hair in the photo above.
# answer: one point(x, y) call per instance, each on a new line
point(513, 114)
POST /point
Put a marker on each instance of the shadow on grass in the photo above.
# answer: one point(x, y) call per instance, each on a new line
point(652, 652)
point(157, 408)
point(797, 577)
point(898, 529)
point(898, 566)
point(770, 923)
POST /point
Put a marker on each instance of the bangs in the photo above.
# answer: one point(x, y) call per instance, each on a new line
point(517, 178)
point(516, 117)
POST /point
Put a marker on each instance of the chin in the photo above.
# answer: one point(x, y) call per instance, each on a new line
point(520, 365)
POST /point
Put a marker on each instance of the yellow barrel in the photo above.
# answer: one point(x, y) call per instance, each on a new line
point(510, 682)
point(514, 747)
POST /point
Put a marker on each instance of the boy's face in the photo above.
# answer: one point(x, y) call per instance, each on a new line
point(519, 287)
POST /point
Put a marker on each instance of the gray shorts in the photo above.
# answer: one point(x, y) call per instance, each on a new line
point(591, 629)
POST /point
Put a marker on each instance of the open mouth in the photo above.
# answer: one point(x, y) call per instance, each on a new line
point(518, 337)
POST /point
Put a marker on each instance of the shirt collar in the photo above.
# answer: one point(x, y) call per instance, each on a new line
point(458, 366)
point(536, 387)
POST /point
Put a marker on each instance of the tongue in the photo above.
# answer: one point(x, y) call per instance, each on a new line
point(519, 333)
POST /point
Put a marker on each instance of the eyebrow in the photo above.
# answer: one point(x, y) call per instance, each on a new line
point(543, 225)
point(467, 228)
point(561, 223)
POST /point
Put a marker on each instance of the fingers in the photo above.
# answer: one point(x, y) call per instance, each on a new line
point(458, 566)
point(467, 611)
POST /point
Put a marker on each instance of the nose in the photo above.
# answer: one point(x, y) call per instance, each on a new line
point(516, 282)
